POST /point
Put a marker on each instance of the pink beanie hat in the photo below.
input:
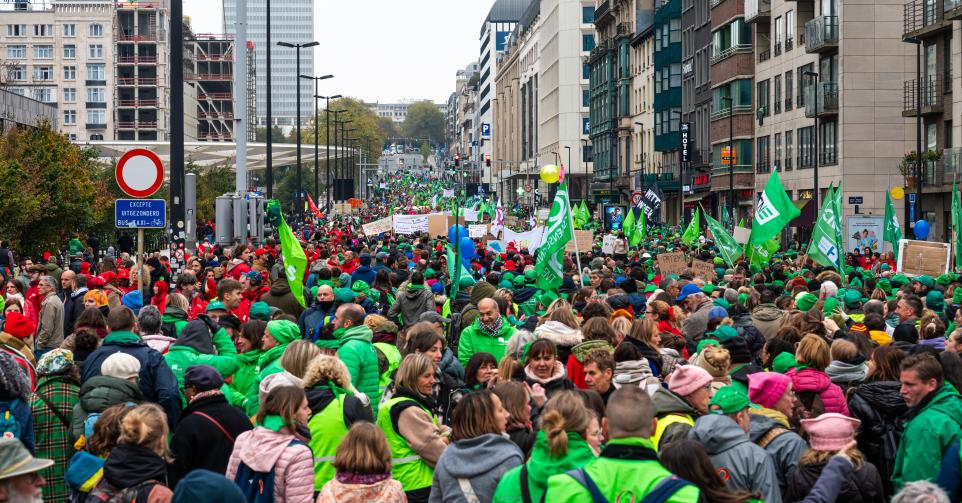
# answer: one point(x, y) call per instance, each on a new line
point(767, 388)
point(830, 431)
point(686, 379)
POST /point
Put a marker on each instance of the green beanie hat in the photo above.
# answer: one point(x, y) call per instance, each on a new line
point(899, 279)
point(361, 286)
point(783, 362)
point(508, 276)
point(260, 311)
point(831, 305)
point(709, 289)
point(925, 280)
point(806, 301)
point(935, 301)
point(466, 282)
point(284, 331)
point(742, 298)
point(957, 295)
point(720, 302)
point(344, 295)
point(428, 273)
point(718, 261)
point(852, 299)
point(943, 279)
point(215, 305)
point(707, 342)
point(505, 284)
point(519, 281)
point(531, 274)
point(855, 283)
point(885, 285)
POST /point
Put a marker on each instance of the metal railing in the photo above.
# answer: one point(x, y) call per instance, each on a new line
point(731, 51)
point(821, 33)
point(216, 115)
point(209, 76)
point(765, 55)
point(789, 43)
point(136, 81)
point(778, 48)
point(931, 89)
point(918, 14)
point(137, 103)
point(827, 99)
point(147, 58)
point(757, 9)
point(137, 125)
point(724, 112)
point(602, 9)
point(951, 8)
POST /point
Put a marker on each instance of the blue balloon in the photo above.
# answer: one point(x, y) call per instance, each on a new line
point(456, 232)
point(921, 229)
point(467, 248)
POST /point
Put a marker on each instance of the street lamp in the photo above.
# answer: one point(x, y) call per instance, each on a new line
point(568, 148)
point(327, 144)
point(345, 167)
point(641, 146)
point(338, 126)
point(814, 77)
point(316, 120)
point(731, 159)
point(336, 156)
point(298, 203)
point(584, 162)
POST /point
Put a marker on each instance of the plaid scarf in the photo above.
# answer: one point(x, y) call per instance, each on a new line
point(491, 330)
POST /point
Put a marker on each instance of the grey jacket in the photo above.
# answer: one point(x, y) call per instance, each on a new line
point(767, 318)
point(695, 325)
point(667, 403)
point(410, 304)
point(473, 465)
point(50, 324)
point(786, 449)
point(749, 467)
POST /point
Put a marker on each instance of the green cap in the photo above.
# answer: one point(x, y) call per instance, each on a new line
point(935, 301)
point(957, 296)
point(855, 283)
point(720, 302)
point(344, 295)
point(943, 279)
point(885, 285)
point(508, 276)
point(718, 261)
point(706, 342)
point(806, 301)
point(783, 362)
point(215, 305)
point(742, 298)
point(284, 331)
point(505, 284)
point(429, 273)
point(360, 286)
point(547, 298)
point(708, 289)
point(531, 274)
point(724, 333)
point(260, 311)
point(729, 400)
point(899, 279)
point(650, 287)
point(925, 280)
point(852, 299)
point(519, 281)
point(466, 282)
point(831, 305)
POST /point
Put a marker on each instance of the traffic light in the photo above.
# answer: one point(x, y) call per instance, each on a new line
point(457, 160)
point(487, 160)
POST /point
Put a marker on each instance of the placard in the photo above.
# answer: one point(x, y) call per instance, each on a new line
point(608, 244)
point(530, 239)
point(376, 227)
point(923, 257)
point(470, 215)
point(410, 224)
point(447, 192)
point(703, 269)
point(510, 220)
point(544, 213)
point(438, 224)
point(584, 239)
point(742, 235)
point(672, 263)
point(864, 232)
point(477, 230)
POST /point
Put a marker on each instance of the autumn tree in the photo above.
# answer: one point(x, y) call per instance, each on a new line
point(424, 120)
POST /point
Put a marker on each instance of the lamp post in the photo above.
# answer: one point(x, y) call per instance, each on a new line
point(584, 162)
point(568, 148)
point(731, 159)
point(298, 202)
point(338, 125)
point(345, 168)
point(641, 146)
point(316, 120)
point(919, 89)
point(814, 77)
point(269, 169)
point(330, 182)
point(327, 143)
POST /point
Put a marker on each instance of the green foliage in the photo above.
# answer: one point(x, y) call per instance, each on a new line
point(277, 136)
point(50, 189)
point(388, 127)
point(424, 120)
point(362, 119)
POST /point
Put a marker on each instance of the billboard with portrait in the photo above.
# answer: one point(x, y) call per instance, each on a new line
point(862, 232)
point(614, 216)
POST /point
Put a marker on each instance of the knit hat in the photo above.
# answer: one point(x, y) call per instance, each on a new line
point(925, 280)
point(203, 377)
point(899, 280)
point(134, 300)
point(706, 342)
point(957, 296)
point(715, 360)
point(831, 306)
point(852, 298)
point(438, 288)
point(906, 332)
point(361, 287)
point(783, 362)
point(935, 301)
point(260, 311)
point(283, 331)
point(722, 303)
point(738, 349)
point(19, 326)
point(729, 400)
point(805, 301)
point(767, 388)
point(121, 366)
point(277, 380)
point(830, 431)
point(686, 379)
point(55, 362)
point(344, 295)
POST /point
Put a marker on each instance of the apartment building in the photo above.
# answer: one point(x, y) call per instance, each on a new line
point(464, 79)
point(696, 100)
point(141, 71)
point(209, 80)
point(643, 102)
point(667, 59)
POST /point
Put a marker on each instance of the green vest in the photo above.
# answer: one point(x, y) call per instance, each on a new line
point(664, 422)
point(327, 431)
point(407, 466)
point(393, 356)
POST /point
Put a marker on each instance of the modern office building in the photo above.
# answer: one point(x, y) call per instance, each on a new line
point(397, 112)
point(291, 21)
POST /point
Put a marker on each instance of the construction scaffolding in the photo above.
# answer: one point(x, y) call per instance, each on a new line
point(212, 77)
point(251, 92)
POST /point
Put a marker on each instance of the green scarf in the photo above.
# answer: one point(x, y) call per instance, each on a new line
point(415, 287)
point(270, 355)
point(272, 422)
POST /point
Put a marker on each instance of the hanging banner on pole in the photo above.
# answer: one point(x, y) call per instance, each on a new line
point(651, 203)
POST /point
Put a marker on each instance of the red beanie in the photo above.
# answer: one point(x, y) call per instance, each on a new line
point(19, 326)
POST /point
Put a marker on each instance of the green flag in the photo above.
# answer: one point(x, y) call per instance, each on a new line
point(456, 270)
point(729, 248)
point(775, 210)
point(956, 224)
point(585, 213)
point(762, 254)
point(558, 232)
point(826, 247)
point(295, 262)
point(694, 227)
point(628, 225)
point(892, 231)
point(741, 223)
point(640, 230)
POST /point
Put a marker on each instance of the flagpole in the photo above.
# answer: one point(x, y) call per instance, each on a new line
point(571, 222)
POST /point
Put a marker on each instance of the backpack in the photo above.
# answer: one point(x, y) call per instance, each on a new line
point(258, 487)
point(9, 425)
point(137, 493)
point(168, 329)
point(454, 331)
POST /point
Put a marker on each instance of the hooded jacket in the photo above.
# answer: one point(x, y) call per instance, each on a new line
point(98, 393)
point(410, 303)
point(481, 461)
point(564, 337)
point(767, 318)
point(474, 340)
point(542, 465)
point(696, 324)
point(310, 319)
point(557, 382)
point(666, 403)
point(860, 486)
point(242, 380)
point(199, 443)
point(816, 381)
point(749, 467)
point(356, 350)
point(880, 407)
point(263, 450)
point(932, 427)
point(176, 317)
point(280, 296)
point(786, 448)
point(73, 305)
point(196, 346)
point(846, 374)
point(129, 465)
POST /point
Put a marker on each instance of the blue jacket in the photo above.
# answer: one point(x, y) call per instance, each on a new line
point(312, 318)
point(24, 416)
point(156, 380)
point(364, 273)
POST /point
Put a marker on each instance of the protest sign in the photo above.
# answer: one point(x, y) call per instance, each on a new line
point(584, 239)
point(471, 215)
point(703, 269)
point(477, 230)
point(438, 224)
point(923, 257)
point(608, 244)
point(376, 227)
point(530, 239)
point(410, 224)
point(447, 193)
point(672, 263)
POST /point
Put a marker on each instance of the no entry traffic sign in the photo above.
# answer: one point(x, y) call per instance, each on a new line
point(139, 173)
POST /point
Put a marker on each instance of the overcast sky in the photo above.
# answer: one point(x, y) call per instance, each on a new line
point(383, 50)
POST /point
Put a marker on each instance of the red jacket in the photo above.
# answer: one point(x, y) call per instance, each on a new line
point(249, 297)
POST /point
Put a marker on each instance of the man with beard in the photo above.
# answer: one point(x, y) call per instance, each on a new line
point(19, 480)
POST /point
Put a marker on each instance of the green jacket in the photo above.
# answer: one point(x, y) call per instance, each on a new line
point(175, 316)
point(356, 350)
point(619, 476)
point(244, 377)
point(473, 340)
point(541, 466)
point(268, 363)
point(180, 357)
point(927, 437)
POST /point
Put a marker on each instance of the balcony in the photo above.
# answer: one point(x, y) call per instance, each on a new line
point(217, 96)
point(921, 18)
point(826, 96)
point(716, 3)
point(821, 34)
point(931, 96)
point(778, 48)
point(725, 112)
point(96, 126)
point(765, 55)
point(136, 37)
point(603, 9)
point(224, 77)
point(137, 125)
point(952, 9)
point(216, 115)
point(731, 51)
point(132, 60)
point(137, 103)
point(757, 10)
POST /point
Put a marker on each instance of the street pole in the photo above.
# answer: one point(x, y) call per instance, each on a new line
point(316, 80)
point(176, 42)
point(269, 170)
point(918, 137)
point(584, 163)
point(568, 148)
point(298, 200)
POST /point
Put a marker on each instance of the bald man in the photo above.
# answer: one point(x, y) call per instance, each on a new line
point(489, 333)
point(318, 314)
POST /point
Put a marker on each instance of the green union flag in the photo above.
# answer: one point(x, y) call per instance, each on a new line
point(295, 262)
point(956, 225)
point(557, 233)
point(729, 248)
point(628, 225)
point(775, 210)
point(691, 233)
point(825, 248)
point(892, 231)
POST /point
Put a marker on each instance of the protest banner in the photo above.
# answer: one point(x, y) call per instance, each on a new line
point(703, 269)
point(438, 224)
point(608, 244)
point(471, 215)
point(477, 230)
point(584, 239)
point(410, 224)
point(376, 227)
point(672, 263)
point(530, 239)
point(923, 257)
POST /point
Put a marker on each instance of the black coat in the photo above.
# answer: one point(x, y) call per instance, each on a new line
point(199, 443)
point(861, 486)
point(880, 407)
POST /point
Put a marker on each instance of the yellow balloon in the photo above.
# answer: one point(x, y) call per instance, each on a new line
point(897, 193)
point(550, 173)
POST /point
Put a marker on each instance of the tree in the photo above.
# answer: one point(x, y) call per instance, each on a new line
point(388, 127)
point(50, 188)
point(365, 121)
point(277, 136)
point(425, 151)
point(424, 120)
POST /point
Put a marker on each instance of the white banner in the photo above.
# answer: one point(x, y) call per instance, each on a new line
point(742, 235)
point(410, 224)
point(376, 227)
point(447, 193)
point(530, 239)
point(471, 215)
point(608, 244)
point(477, 231)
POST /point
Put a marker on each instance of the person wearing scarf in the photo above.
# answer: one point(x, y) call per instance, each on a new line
point(279, 334)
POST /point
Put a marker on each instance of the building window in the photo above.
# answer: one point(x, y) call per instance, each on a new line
point(762, 163)
point(72, 136)
point(70, 30)
point(788, 150)
point(828, 138)
point(70, 73)
point(777, 162)
point(96, 137)
point(17, 73)
point(585, 71)
point(95, 51)
point(17, 52)
point(69, 51)
point(16, 30)
point(43, 30)
point(96, 30)
point(789, 29)
point(778, 94)
point(43, 52)
point(731, 38)
point(741, 93)
point(96, 95)
point(96, 117)
point(789, 90)
point(69, 94)
point(588, 14)
point(43, 73)
point(764, 103)
point(96, 72)
point(44, 94)
point(587, 42)
point(69, 117)
point(779, 33)
point(806, 147)
point(800, 99)
point(585, 98)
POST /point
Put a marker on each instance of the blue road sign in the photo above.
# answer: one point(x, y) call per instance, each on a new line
point(140, 213)
point(485, 130)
